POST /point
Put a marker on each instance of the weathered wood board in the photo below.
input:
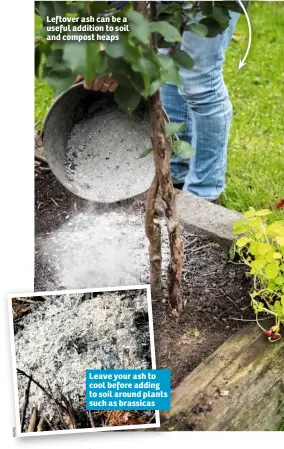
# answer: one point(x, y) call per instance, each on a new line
point(239, 387)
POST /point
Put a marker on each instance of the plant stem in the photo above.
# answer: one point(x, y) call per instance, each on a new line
point(153, 232)
point(161, 152)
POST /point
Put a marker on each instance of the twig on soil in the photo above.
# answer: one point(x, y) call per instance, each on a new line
point(58, 406)
point(249, 321)
point(201, 247)
point(232, 300)
point(152, 417)
point(41, 424)
point(50, 395)
point(56, 204)
point(68, 404)
point(190, 243)
point(27, 394)
point(49, 423)
point(33, 420)
point(44, 169)
point(26, 300)
point(40, 159)
point(90, 416)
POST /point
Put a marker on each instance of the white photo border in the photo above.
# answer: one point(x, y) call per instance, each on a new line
point(20, 434)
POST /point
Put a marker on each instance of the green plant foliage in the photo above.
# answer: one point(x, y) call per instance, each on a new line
point(145, 153)
point(260, 246)
point(173, 128)
point(182, 149)
point(132, 60)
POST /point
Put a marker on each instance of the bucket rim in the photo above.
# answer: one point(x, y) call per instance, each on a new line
point(62, 94)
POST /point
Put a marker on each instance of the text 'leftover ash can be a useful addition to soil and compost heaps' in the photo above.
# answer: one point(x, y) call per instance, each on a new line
point(93, 147)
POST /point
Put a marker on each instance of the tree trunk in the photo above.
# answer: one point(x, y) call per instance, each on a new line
point(153, 232)
point(140, 7)
point(163, 182)
point(161, 152)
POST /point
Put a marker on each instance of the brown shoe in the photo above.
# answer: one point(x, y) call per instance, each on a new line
point(216, 201)
point(178, 186)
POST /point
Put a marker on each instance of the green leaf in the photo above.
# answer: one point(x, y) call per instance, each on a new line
point(221, 15)
point(168, 31)
point(183, 59)
point(249, 213)
point(235, 6)
point(277, 306)
point(271, 285)
point(46, 9)
point(60, 8)
point(190, 13)
point(170, 71)
point(271, 270)
point(276, 228)
point(279, 280)
point(243, 241)
point(168, 8)
point(97, 7)
point(240, 226)
point(145, 153)
point(154, 86)
point(182, 149)
point(214, 27)
point(138, 26)
point(127, 98)
point(92, 60)
point(115, 49)
point(232, 252)
point(197, 28)
point(37, 60)
point(126, 76)
point(173, 128)
point(60, 79)
point(259, 307)
point(206, 8)
point(277, 255)
point(280, 240)
point(54, 58)
point(74, 56)
point(258, 264)
point(263, 213)
point(145, 65)
point(102, 68)
point(131, 52)
point(264, 248)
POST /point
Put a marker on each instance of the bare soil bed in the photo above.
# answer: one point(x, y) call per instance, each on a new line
point(214, 287)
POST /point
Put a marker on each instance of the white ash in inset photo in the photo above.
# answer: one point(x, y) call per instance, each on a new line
point(57, 337)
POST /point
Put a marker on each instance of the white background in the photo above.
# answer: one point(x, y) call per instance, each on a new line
point(17, 245)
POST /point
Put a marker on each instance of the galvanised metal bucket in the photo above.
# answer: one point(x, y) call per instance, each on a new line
point(106, 166)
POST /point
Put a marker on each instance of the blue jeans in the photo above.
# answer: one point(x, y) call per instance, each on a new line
point(205, 107)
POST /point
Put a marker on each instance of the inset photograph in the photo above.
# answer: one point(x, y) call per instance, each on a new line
point(56, 336)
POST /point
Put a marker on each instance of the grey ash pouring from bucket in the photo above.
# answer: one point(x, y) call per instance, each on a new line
point(93, 147)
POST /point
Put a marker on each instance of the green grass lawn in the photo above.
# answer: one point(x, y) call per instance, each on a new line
point(255, 174)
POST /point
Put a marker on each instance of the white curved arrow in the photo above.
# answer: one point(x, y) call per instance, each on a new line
point(242, 61)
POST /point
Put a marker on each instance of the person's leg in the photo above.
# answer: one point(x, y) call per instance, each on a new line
point(210, 110)
point(177, 111)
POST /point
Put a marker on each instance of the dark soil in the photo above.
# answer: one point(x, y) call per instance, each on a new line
point(216, 290)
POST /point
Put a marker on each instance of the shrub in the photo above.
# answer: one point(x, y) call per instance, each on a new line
point(260, 246)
